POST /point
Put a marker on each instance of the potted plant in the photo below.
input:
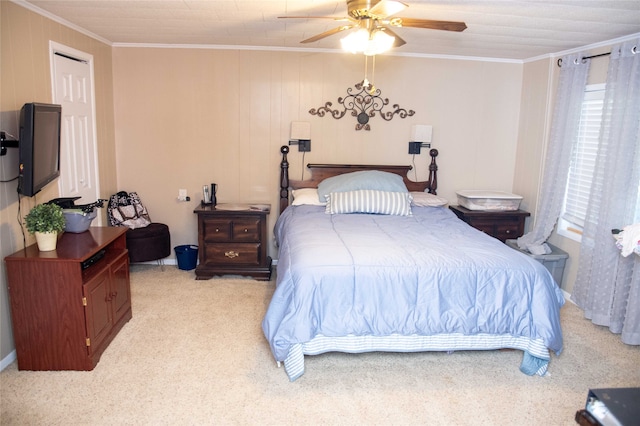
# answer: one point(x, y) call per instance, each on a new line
point(45, 221)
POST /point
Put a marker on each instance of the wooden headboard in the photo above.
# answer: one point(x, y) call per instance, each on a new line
point(319, 172)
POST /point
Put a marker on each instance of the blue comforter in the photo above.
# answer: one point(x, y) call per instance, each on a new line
point(425, 274)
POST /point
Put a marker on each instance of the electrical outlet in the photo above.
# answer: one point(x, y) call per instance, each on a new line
point(182, 194)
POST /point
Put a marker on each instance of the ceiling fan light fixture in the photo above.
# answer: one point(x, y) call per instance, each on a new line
point(356, 41)
point(378, 43)
point(370, 43)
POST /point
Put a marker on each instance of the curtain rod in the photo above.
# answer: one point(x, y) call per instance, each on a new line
point(587, 57)
point(634, 50)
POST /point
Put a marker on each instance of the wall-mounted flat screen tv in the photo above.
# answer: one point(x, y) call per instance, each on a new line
point(39, 146)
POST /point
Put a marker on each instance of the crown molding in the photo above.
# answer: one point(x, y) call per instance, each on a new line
point(308, 50)
point(61, 21)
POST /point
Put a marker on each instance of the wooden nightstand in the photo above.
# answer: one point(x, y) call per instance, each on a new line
point(232, 240)
point(502, 225)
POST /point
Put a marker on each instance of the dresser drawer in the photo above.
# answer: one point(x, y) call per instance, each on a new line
point(488, 227)
point(217, 230)
point(508, 230)
point(502, 225)
point(227, 230)
point(233, 254)
point(244, 230)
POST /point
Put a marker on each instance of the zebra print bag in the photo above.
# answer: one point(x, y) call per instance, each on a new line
point(126, 209)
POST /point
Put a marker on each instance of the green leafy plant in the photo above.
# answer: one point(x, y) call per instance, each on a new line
point(45, 218)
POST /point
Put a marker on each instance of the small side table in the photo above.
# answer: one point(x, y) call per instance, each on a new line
point(503, 225)
point(232, 240)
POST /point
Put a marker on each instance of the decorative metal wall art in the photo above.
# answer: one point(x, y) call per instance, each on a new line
point(363, 102)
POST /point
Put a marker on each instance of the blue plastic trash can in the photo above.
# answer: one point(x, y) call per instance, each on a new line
point(187, 256)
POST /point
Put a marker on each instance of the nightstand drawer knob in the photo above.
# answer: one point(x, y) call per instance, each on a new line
point(507, 231)
point(246, 230)
point(217, 229)
point(231, 254)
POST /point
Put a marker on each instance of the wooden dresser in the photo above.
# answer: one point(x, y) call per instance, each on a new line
point(63, 315)
point(232, 240)
point(503, 225)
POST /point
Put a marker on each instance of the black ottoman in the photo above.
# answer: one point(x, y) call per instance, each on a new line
point(152, 242)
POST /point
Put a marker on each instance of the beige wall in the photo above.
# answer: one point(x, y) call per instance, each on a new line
point(180, 118)
point(25, 77)
point(188, 117)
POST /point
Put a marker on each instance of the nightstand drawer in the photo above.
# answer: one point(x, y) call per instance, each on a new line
point(246, 230)
point(233, 254)
point(502, 225)
point(488, 227)
point(217, 230)
point(225, 230)
point(506, 230)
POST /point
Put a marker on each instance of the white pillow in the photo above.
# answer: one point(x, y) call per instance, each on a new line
point(369, 201)
point(424, 199)
point(308, 196)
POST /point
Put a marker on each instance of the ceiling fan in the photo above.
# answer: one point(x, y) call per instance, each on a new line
point(374, 16)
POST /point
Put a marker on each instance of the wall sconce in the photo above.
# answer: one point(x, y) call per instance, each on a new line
point(301, 135)
point(420, 138)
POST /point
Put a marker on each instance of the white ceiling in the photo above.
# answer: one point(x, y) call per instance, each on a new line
point(500, 29)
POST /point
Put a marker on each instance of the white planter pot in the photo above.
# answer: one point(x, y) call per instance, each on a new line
point(47, 241)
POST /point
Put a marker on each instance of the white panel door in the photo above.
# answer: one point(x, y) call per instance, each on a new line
point(73, 89)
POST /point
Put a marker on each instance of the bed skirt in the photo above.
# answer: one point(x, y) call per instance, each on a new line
point(535, 360)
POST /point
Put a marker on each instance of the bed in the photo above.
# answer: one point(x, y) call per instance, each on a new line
point(353, 279)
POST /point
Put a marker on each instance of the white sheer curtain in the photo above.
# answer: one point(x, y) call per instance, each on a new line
point(564, 131)
point(608, 285)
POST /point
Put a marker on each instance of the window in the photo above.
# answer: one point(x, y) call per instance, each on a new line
point(583, 160)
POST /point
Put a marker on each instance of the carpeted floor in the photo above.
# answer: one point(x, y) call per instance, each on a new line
point(194, 353)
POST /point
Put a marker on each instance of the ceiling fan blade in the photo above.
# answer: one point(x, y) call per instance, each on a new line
point(398, 40)
point(387, 8)
point(327, 34)
point(333, 18)
point(428, 24)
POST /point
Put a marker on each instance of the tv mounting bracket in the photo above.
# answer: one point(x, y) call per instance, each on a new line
point(4, 143)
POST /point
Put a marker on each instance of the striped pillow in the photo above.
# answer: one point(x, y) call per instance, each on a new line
point(369, 201)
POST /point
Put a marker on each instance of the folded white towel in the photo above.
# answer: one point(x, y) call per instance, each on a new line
point(539, 248)
point(630, 239)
